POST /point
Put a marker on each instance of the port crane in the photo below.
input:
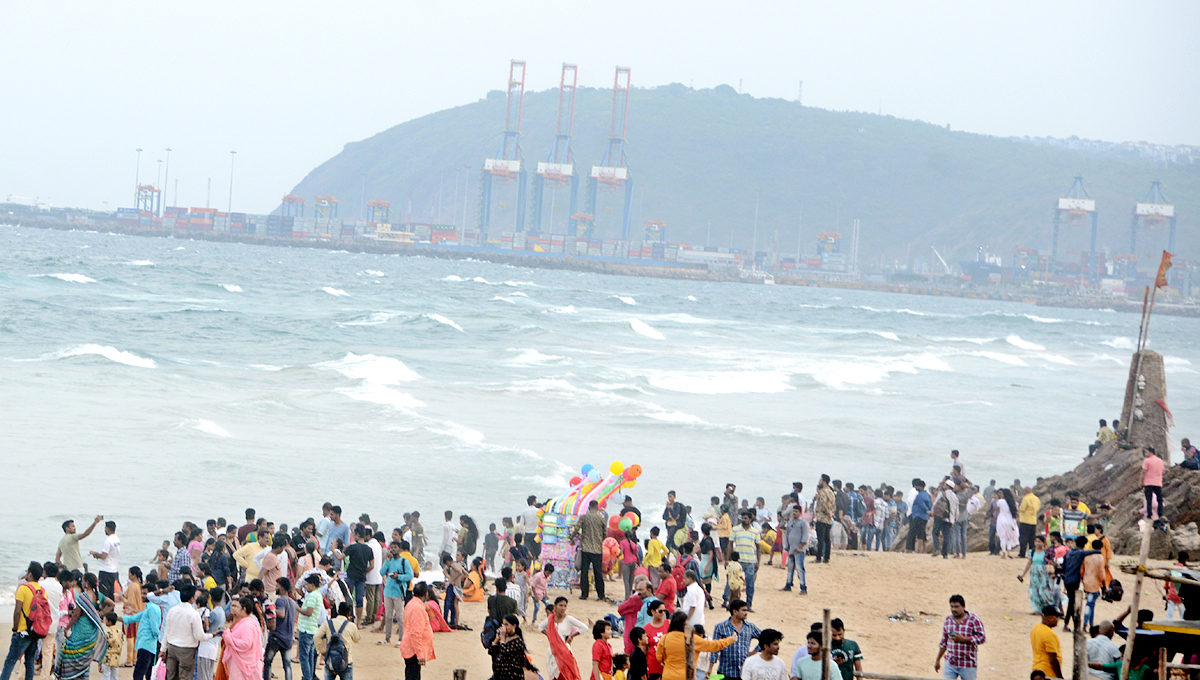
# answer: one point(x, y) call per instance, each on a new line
point(292, 206)
point(506, 166)
point(1076, 206)
point(1150, 215)
point(559, 167)
point(613, 171)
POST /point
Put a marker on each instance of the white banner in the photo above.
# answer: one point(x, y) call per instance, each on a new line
point(1084, 204)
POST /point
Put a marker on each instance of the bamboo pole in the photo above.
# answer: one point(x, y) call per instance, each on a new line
point(1127, 417)
point(1163, 673)
point(826, 644)
point(1136, 602)
point(1079, 667)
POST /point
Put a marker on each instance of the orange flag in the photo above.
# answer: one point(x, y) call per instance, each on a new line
point(1161, 281)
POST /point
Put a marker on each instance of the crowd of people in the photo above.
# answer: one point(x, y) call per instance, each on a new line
point(227, 600)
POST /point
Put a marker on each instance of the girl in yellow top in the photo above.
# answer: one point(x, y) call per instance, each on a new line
point(724, 531)
point(655, 552)
point(672, 648)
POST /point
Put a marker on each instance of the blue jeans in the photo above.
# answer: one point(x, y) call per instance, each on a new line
point(347, 674)
point(1089, 609)
point(358, 589)
point(448, 605)
point(951, 672)
point(751, 570)
point(273, 648)
point(539, 605)
point(866, 534)
point(796, 563)
point(958, 543)
point(21, 645)
point(308, 656)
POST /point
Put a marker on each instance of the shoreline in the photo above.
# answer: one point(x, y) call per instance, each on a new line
point(613, 267)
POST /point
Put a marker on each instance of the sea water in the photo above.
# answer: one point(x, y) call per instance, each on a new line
point(160, 380)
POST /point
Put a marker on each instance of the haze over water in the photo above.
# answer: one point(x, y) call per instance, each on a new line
point(158, 380)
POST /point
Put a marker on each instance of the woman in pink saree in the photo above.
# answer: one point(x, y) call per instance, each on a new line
point(243, 657)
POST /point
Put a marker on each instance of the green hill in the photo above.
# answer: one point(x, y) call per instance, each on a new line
point(700, 157)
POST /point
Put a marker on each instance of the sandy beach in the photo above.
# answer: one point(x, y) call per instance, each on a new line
point(863, 589)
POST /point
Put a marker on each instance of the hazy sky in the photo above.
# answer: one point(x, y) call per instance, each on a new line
point(286, 84)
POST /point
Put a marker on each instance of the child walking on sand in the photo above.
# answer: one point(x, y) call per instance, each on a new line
point(735, 577)
point(112, 658)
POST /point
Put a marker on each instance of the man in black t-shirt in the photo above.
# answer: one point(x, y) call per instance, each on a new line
point(673, 517)
point(361, 560)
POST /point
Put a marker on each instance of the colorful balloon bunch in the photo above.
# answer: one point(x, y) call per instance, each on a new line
point(591, 485)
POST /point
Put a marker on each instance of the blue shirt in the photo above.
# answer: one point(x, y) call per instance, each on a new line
point(335, 532)
point(922, 504)
point(734, 656)
point(150, 619)
point(396, 587)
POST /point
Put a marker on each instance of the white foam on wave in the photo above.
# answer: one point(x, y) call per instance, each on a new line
point(684, 317)
point(140, 263)
point(532, 357)
point(891, 311)
point(973, 341)
point(501, 298)
point(70, 278)
point(181, 248)
point(1106, 357)
point(1056, 359)
point(208, 427)
point(520, 293)
point(569, 309)
point(443, 320)
point(842, 374)
point(887, 335)
point(1176, 361)
point(336, 292)
point(1042, 319)
point(110, 353)
point(626, 299)
point(642, 328)
point(232, 287)
point(1018, 341)
point(376, 375)
point(692, 298)
point(374, 272)
point(375, 319)
point(453, 278)
point(723, 382)
point(1001, 357)
point(1118, 343)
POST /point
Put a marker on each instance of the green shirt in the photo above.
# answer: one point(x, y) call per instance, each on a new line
point(845, 656)
point(308, 624)
point(69, 547)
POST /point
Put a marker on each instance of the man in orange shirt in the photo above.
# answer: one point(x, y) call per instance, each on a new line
point(1093, 581)
point(416, 646)
point(1152, 480)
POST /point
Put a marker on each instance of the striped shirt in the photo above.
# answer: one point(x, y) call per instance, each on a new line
point(744, 542)
point(732, 657)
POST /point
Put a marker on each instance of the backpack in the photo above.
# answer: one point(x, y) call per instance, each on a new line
point(1115, 592)
point(941, 508)
point(336, 654)
point(39, 619)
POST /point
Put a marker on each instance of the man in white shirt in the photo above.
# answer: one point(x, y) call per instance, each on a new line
point(766, 665)
point(182, 632)
point(374, 580)
point(449, 535)
point(110, 559)
point(1101, 649)
point(529, 526)
point(54, 592)
point(693, 599)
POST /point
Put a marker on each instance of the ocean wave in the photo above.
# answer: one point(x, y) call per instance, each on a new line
point(70, 278)
point(1056, 359)
point(890, 311)
point(373, 368)
point(1018, 341)
point(887, 335)
point(374, 272)
point(1001, 357)
point(207, 426)
point(569, 309)
point(842, 374)
point(1106, 357)
point(443, 320)
point(453, 278)
point(625, 298)
point(374, 319)
point(231, 287)
point(692, 298)
point(520, 293)
point(723, 382)
point(684, 317)
point(973, 341)
point(110, 353)
point(1118, 343)
point(501, 298)
point(140, 263)
point(1176, 361)
point(531, 357)
point(1042, 319)
point(642, 328)
point(377, 393)
point(336, 292)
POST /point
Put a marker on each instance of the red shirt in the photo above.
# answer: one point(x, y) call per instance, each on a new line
point(666, 592)
point(603, 653)
point(653, 635)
